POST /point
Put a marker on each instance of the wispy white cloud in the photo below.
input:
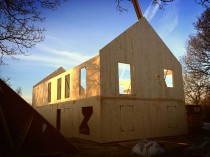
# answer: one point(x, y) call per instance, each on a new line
point(168, 21)
point(151, 11)
point(124, 71)
point(47, 60)
point(62, 53)
point(55, 58)
point(55, 39)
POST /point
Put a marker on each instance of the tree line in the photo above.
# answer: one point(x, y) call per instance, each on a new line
point(196, 65)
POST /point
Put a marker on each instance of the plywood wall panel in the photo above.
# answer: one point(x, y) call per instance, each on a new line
point(141, 47)
point(71, 117)
point(40, 91)
point(143, 119)
point(94, 121)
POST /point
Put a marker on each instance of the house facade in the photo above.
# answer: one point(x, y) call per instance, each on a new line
point(132, 89)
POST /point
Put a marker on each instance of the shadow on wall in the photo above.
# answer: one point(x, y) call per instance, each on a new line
point(89, 79)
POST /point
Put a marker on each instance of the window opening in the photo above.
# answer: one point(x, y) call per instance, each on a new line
point(82, 81)
point(58, 119)
point(168, 77)
point(87, 113)
point(59, 89)
point(49, 92)
point(67, 86)
point(124, 75)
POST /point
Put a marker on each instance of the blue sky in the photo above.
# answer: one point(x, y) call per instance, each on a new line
point(77, 30)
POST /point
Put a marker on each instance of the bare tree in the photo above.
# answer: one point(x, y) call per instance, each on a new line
point(121, 8)
point(194, 88)
point(161, 3)
point(204, 3)
point(197, 58)
point(19, 91)
point(196, 62)
point(5, 79)
point(19, 30)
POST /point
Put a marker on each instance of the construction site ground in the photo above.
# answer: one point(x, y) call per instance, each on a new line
point(195, 144)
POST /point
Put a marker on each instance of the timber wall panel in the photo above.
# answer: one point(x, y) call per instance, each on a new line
point(148, 119)
point(94, 121)
point(141, 47)
point(71, 117)
point(40, 92)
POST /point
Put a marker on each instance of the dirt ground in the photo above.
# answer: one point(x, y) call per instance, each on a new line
point(192, 144)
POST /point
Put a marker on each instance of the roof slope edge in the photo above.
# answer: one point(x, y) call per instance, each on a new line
point(53, 74)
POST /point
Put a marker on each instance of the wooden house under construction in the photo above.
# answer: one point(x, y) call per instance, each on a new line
point(131, 90)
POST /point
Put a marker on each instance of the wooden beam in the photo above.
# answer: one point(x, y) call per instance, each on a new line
point(137, 9)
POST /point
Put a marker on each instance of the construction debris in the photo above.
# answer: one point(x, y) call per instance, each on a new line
point(146, 148)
